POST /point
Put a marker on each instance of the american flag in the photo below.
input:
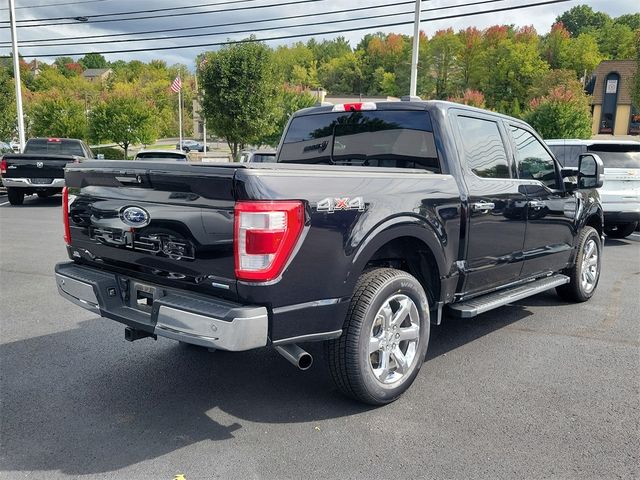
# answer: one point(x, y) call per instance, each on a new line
point(176, 86)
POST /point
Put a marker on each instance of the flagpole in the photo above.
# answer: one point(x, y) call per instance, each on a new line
point(180, 113)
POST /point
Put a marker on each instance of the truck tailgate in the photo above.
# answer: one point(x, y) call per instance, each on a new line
point(171, 223)
point(36, 165)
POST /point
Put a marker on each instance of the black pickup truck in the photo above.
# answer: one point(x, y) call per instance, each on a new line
point(376, 219)
point(40, 168)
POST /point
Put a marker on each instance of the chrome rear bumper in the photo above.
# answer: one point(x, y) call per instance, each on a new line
point(184, 316)
point(27, 183)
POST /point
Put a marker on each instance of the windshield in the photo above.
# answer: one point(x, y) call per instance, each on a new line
point(160, 156)
point(54, 147)
point(617, 155)
point(379, 138)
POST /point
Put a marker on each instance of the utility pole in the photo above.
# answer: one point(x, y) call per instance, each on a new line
point(414, 55)
point(16, 73)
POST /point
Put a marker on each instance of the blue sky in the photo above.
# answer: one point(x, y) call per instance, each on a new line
point(540, 17)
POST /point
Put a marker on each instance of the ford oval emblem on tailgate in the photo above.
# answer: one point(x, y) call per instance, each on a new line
point(135, 216)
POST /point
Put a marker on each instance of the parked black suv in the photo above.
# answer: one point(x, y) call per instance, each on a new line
point(376, 219)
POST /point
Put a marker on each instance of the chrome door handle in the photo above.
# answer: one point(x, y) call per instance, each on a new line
point(482, 206)
point(536, 204)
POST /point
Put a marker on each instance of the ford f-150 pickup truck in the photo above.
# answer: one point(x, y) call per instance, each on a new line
point(40, 168)
point(376, 219)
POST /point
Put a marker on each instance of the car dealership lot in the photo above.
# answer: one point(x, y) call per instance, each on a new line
point(542, 389)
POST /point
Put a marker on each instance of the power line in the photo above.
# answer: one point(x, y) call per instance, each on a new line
point(172, 15)
point(226, 24)
point(165, 9)
point(283, 37)
point(250, 30)
point(57, 4)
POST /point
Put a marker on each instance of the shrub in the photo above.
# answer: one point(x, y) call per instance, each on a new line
point(471, 97)
point(562, 113)
point(110, 153)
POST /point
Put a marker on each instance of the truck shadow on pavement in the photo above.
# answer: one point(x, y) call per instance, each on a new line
point(84, 401)
point(35, 201)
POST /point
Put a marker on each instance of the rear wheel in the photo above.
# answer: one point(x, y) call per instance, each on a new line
point(384, 338)
point(621, 230)
point(15, 195)
point(585, 273)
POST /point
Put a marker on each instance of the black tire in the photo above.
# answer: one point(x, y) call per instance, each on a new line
point(16, 196)
point(621, 230)
point(575, 290)
point(349, 358)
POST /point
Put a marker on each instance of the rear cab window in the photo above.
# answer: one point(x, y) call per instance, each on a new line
point(57, 146)
point(375, 138)
point(160, 156)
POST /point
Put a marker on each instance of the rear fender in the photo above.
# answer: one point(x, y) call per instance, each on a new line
point(397, 227)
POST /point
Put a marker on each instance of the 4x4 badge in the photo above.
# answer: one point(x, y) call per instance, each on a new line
point(331, 204)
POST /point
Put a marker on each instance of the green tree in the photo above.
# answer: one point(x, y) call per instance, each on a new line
point(328, 49)
point(444, 49)
point(514, 68)
point(631, 20)
point(8, 116)
point(54, 114)
point(240, 93)
point(553, 79)
point(125, 119)
point(635, 89)
point(555, 46)
point(583, 54)
point(470, 58)
point(93, 60)
point(616, 41)
point(560, 114)
point(290, 100)
point(581, 19)
point(343, 75)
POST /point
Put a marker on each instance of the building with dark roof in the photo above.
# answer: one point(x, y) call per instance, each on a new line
point(97, 74)
point(613, 110)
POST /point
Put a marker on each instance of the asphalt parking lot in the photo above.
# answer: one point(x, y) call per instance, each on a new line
point(540, 389)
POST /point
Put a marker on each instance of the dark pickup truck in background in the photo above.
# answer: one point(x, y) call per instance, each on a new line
point(40, 168)
point(375, 220)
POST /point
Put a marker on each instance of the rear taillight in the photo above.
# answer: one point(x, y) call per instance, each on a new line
point(265, 235)
point(3, 166)
point(65, 215)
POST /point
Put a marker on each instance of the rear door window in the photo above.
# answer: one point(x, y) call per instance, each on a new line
point(381, 138)
point(617, 155)
point(483, 147)
point(534, 162)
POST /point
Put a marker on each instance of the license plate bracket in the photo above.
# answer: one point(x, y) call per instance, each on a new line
point(41, 181)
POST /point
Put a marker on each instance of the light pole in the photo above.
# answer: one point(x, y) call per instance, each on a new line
point(16, 73)
point(414, 55)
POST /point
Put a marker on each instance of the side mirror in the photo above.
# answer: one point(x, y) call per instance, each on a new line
point(100, 156)
point(590, 171)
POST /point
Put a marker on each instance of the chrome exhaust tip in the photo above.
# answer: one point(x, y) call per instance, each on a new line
point(297, 356)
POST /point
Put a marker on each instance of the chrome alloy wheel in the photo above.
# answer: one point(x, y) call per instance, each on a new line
point(589, 276)
point(393, 343)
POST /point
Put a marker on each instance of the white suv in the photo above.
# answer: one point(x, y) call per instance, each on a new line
point(620, 193)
